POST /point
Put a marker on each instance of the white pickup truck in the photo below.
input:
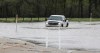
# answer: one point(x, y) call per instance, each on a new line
point(57, 20)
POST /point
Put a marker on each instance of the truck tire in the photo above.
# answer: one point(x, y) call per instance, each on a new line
point(61, 25)
point(67, 24)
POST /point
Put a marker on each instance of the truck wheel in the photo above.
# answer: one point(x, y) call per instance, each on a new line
point(67, 24)
point(62, 25)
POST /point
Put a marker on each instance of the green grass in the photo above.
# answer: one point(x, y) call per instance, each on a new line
point(43, 19)
point(22, 19)
point(84, 19)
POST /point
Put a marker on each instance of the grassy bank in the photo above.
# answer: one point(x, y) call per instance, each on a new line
point(43, 19)
point(22, 19)
point(84, 19)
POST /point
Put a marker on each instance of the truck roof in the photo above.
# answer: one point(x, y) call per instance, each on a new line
point(62, 16)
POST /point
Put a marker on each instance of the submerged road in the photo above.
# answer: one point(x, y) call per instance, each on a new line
point(79, 36)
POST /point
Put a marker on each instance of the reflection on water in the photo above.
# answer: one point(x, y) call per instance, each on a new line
point(57, 28)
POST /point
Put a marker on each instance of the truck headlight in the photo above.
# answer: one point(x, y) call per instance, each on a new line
point(59, 23)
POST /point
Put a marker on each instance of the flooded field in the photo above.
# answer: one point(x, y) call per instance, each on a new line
point(79, 35)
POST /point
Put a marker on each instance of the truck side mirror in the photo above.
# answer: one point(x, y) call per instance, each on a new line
point(64, 20)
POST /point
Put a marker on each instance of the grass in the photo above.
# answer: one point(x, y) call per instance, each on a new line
point(22, 19)
point(84, 19)
point(43, 19)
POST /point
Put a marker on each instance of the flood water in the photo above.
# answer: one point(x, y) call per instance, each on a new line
point(79, 35)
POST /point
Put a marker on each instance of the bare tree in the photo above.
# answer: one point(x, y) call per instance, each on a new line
point(90, 7)
point(80, 8)
point(64, 7)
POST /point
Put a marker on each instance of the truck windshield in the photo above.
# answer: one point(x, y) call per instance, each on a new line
point(55, 18)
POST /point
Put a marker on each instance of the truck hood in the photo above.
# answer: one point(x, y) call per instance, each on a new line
point(54, 21)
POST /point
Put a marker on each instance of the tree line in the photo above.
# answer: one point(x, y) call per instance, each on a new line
point(45, 8)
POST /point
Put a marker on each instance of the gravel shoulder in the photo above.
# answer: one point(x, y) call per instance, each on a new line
point(8, 45)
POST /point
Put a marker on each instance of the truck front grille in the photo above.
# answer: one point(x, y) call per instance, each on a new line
point(53, 23)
